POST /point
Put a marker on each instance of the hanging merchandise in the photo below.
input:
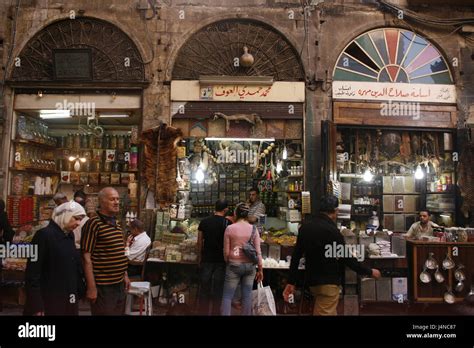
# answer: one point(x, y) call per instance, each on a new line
point(133, 158)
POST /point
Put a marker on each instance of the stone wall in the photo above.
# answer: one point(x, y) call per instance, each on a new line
point(331, 26)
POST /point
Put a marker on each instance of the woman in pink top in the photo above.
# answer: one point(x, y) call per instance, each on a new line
point(239, 268)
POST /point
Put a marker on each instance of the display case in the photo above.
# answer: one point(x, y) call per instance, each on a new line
point(430, 289)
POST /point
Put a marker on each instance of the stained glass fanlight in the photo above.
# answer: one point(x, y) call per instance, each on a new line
point(392, 55)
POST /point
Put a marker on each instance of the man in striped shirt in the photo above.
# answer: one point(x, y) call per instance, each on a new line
point(103, 254)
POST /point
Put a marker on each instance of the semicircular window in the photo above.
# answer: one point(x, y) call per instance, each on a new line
point(392, 55)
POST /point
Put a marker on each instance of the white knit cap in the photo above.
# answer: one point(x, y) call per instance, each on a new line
point(63, 214)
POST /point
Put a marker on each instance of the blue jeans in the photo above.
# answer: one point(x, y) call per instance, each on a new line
point(212, 283)
point(235, 273)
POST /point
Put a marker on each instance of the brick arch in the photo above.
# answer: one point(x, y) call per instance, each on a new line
point(110, 46)
point(212, 51)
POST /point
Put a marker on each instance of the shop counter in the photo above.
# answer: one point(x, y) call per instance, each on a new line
point(462, 253)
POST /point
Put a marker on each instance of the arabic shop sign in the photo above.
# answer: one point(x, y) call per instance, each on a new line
point(240, 92)
point(277, 92)
point(394, 91)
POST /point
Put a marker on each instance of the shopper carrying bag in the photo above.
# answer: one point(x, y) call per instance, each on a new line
point(263, 302)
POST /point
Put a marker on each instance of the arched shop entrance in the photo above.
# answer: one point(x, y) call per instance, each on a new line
point(392, 152)
point(77, 103)
point(241, 111)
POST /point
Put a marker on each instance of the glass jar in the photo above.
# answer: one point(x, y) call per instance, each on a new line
point(113, 141)
point(99, 142)
point(69, 141)
point(106, 142)
point(90, 141)
point(84, 141)
point(121, 142)
point(107, 166)
point(77, 141)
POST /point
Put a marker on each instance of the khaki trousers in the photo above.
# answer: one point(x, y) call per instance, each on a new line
point(326, 299)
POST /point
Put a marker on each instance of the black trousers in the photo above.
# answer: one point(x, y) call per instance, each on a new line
point(110, 300)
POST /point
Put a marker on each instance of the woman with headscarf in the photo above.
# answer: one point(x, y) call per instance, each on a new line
point(54, 281)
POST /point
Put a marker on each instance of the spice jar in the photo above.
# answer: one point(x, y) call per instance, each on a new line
point(69, 141)
point(77, 141)
point(121, 142)
point(113, 141)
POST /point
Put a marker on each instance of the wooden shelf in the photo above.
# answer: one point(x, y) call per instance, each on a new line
point(28, 223)
point(294, 159)
point(403, 194)
point(34, 143)
point(34, 170)
point(441, 193)
point(40, 196)
point(89, 149)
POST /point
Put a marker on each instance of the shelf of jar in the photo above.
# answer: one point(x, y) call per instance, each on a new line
point(294, 159)
point(441, 193)
point(362, 195)
point(402, 194)
point(34, 143)
point(90, 149)
point(88, 184)
point(40, 196)
point(28, 223)
point(34, 170)
point(99, 172)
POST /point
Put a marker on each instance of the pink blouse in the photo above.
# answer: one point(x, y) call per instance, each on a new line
point(235, 236)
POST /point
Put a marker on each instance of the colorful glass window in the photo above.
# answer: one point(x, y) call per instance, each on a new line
point(392, 55)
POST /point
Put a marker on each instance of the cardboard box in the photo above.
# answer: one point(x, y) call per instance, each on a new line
point(399, 289)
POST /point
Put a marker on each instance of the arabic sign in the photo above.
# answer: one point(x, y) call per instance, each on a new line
point(394, 91)
point(241, 92)
point(277, 92)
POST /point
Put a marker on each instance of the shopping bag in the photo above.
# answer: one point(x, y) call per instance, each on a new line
point(263, 302)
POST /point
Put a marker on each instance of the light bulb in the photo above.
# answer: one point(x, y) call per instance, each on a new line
point(279, 167)
point(419, 173)
point(82, 159)
point(77, 166)
point(71, 158)
point(199, 175)
point(284, 155)
point(368, 176)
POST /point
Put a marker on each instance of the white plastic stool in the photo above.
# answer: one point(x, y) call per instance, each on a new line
point(143, 291)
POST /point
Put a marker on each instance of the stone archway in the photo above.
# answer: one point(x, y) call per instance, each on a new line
point(214, 49)
point(114, 57)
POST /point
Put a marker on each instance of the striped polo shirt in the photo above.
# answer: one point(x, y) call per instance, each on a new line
point(105, 242)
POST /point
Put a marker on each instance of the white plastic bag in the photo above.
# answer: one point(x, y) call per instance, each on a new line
point(263, 302)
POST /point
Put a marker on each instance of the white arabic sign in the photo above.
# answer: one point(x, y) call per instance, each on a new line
point(278, 92)
point(394, 91)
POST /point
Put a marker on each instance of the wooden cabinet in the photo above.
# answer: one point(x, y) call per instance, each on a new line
point(418, 252)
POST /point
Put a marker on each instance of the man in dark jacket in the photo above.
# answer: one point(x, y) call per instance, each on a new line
point(321, 243)
point(211, 241)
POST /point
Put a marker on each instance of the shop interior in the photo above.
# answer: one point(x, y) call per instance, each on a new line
point(386, 177)
point(66, 150)
point(209, 169)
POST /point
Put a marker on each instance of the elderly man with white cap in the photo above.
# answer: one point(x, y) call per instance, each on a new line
point(55, 280)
